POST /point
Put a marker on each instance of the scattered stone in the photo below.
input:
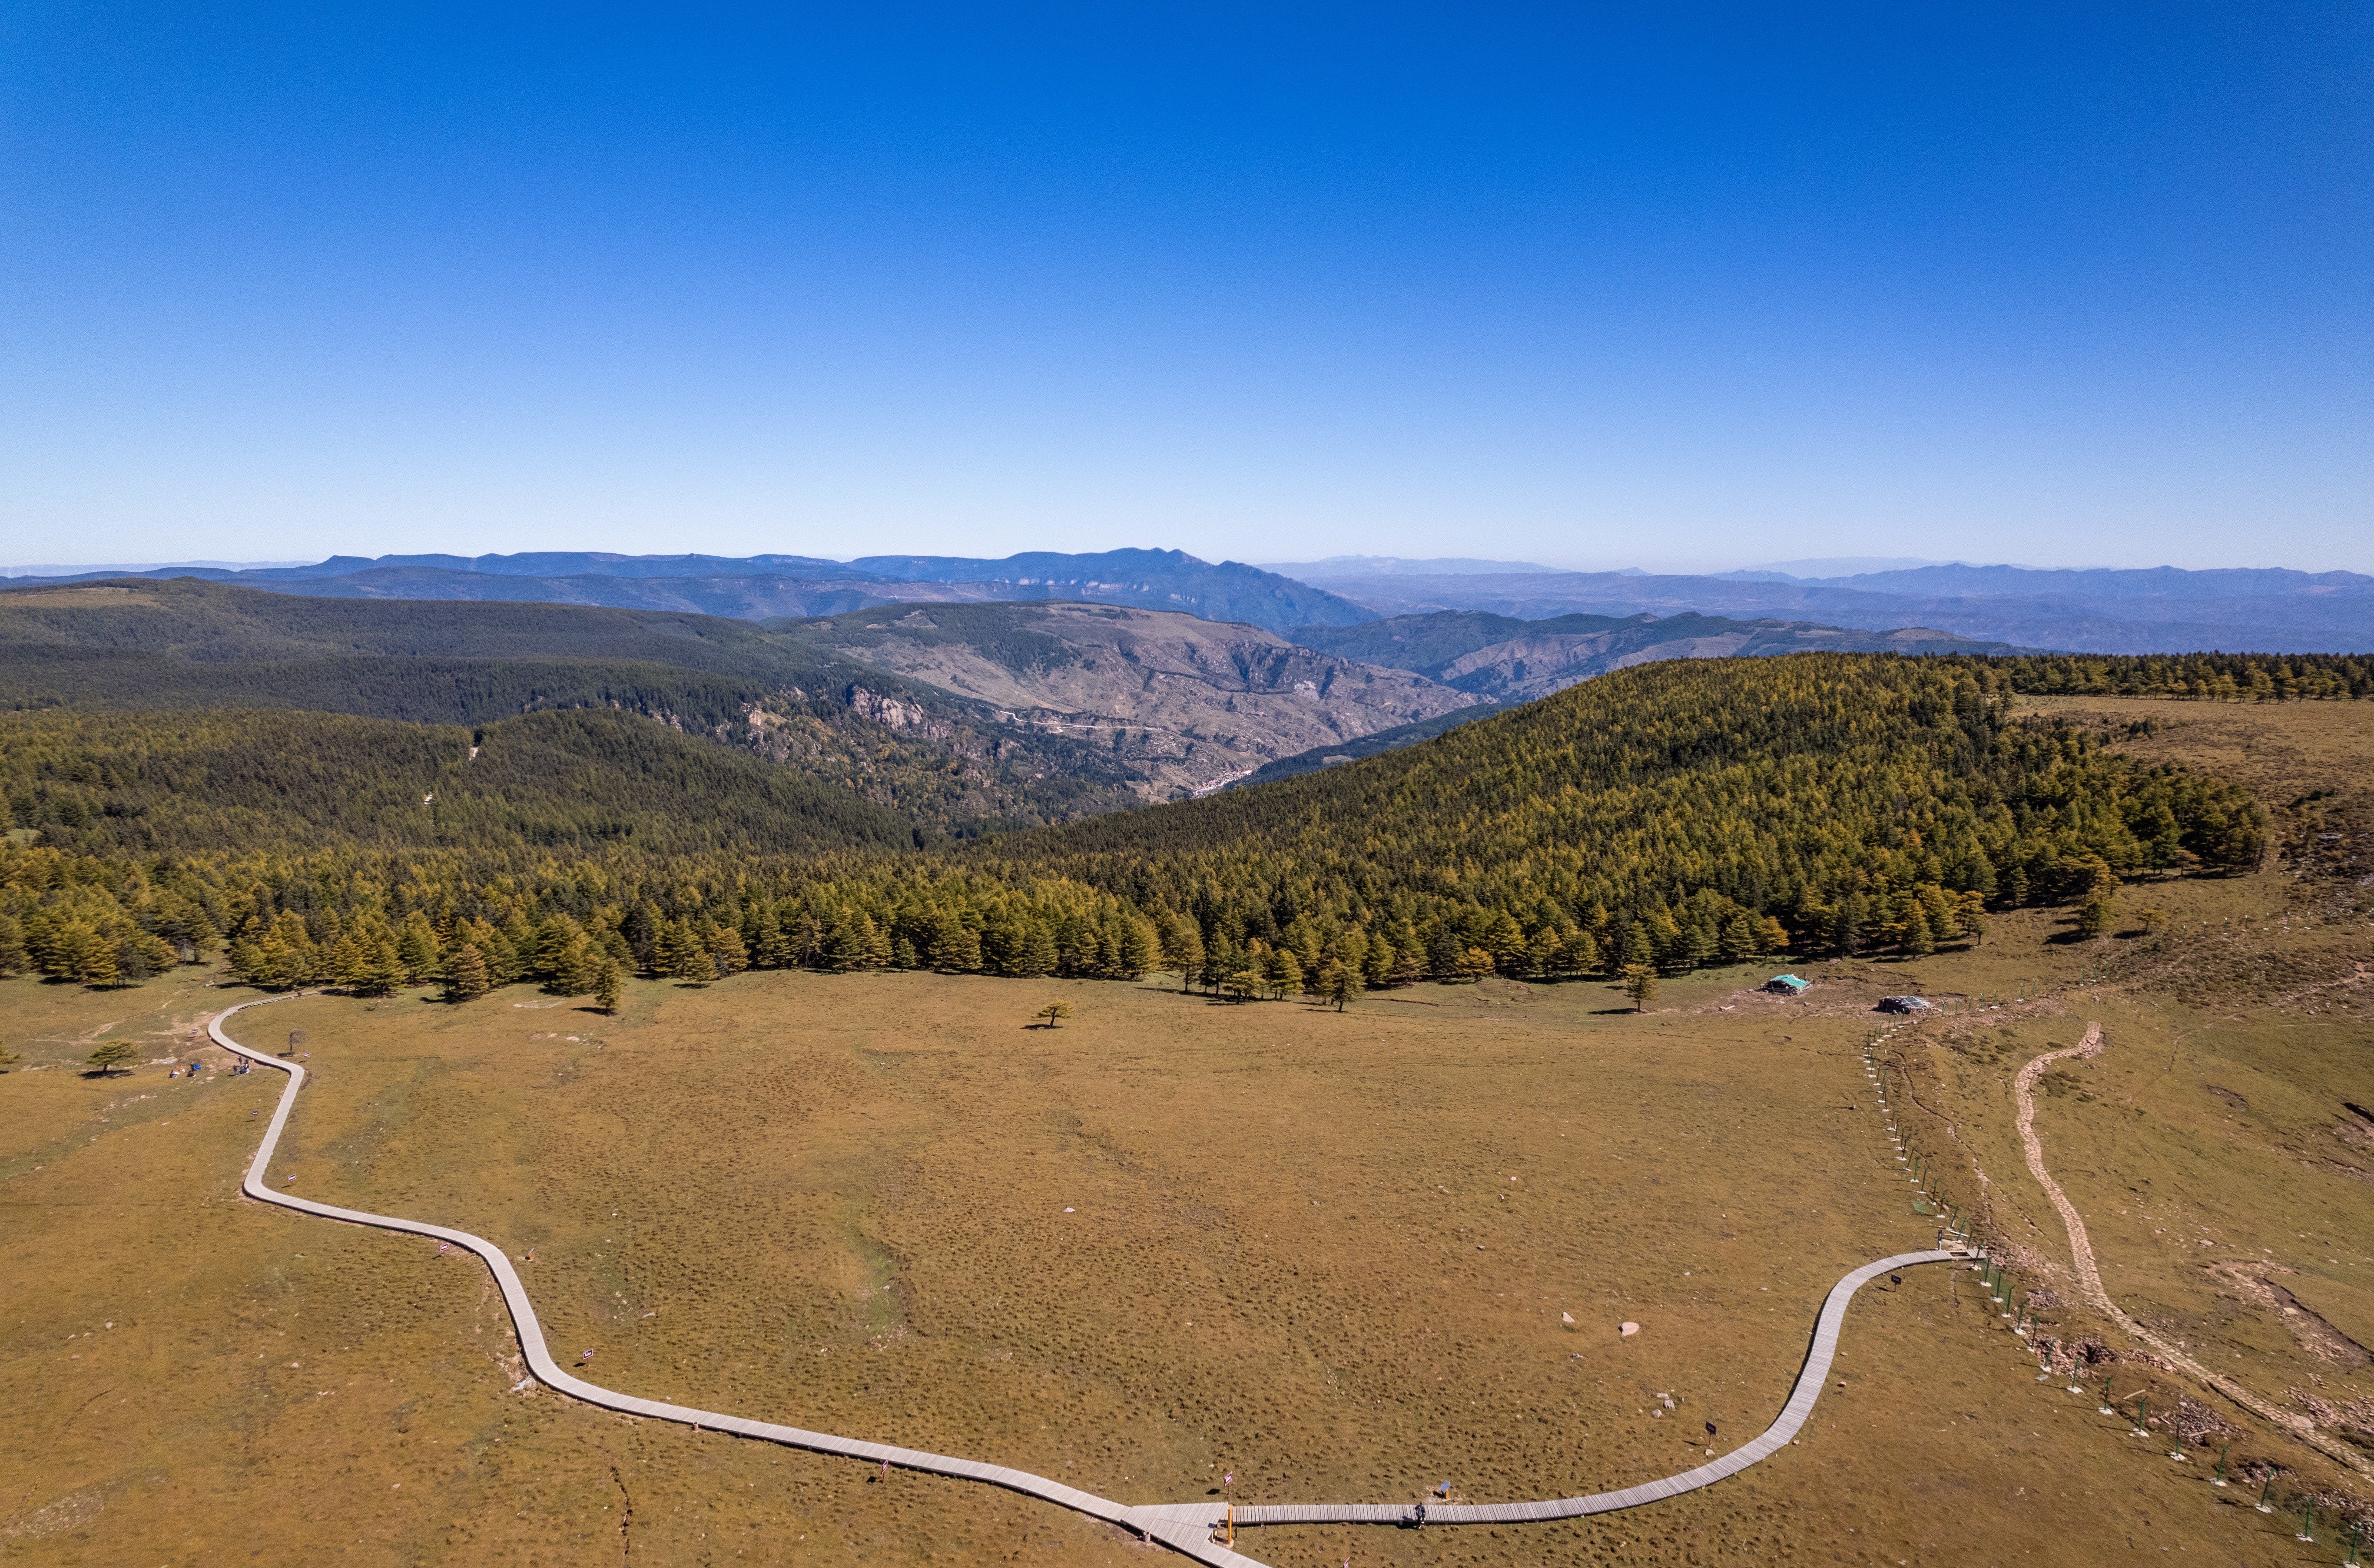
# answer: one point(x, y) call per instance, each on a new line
point(1626, 1331)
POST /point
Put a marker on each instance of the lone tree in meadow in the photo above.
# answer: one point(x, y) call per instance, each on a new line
point(1054, 1013)
point(1641, 985)
point(609, 987)
point(111, 1055)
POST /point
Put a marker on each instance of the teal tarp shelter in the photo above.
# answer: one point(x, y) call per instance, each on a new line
point(1788, 985)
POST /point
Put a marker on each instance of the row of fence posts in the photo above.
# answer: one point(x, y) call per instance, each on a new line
point(1932, 1198)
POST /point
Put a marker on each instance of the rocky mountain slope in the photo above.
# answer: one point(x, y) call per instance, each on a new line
point(1186, 705)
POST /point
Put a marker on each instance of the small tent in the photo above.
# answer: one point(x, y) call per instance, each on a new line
point(1787, 984)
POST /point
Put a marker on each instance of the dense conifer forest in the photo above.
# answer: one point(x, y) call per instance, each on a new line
point(1670, 815)
point(2213, 677)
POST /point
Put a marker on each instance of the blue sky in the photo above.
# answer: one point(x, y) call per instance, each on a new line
point(1664, 287)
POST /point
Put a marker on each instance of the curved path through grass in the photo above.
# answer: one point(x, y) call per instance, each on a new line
point(2089, 1276)
point(1188, 1526)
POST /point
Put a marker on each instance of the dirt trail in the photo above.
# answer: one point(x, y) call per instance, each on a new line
point(2089, 1277)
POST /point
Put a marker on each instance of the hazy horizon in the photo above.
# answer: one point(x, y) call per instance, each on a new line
point(1810, 569)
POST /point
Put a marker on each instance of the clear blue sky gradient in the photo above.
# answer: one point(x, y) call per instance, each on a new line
point(1597, 288)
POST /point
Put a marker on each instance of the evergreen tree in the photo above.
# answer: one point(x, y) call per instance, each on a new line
point(1741, 939)
point(1140, 950)
point(417, 948)
point(770, 949)
point(1637, 947)
point(96, 963)
point(874, 942)
point(1037, 955)
point(1641, 985)
point(2096, 918)
point(465, 974)
point(1340, 983)
point(609, 986)
point(1852, 925)
point(1183, 949)
point(111, 1055)
point(382, 967)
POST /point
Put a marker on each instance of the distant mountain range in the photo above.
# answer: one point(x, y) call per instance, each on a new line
point(759, 587)
point(1394, 566)
point(2162, 609)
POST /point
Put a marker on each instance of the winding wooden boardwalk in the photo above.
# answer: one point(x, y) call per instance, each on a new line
point(1187, 1527)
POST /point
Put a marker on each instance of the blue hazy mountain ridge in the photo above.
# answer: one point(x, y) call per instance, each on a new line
point(1145, 579)
point(1513, 660)
point(742, 596)
point(1827, 566)
point(761, 587)
point(1396, 565)
point(2158, 610)
point(588, 563)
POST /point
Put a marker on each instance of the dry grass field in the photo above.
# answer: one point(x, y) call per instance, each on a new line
point(1175, 1238)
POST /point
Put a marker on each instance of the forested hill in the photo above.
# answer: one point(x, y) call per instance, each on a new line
point(1666, 815)
point(1830, 794)
point(144, 644)
point(558, 784)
